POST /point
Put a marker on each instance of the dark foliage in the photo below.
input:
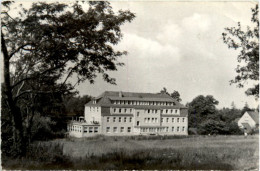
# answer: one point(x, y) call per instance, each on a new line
point(204, 118)
point(45, 45)
point(248, 44)
point(175, 95)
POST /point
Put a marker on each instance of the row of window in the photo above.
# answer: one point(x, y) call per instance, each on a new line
point(116, 129)
point(167, 120)
point(149, 111)
point(122, 110)
point(120, 119)
point(76, 128)
point(127, 102)
point(94, 109)
point(167, 129)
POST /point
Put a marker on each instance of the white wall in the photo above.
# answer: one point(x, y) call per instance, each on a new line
point(246, 118)
point(92, 113)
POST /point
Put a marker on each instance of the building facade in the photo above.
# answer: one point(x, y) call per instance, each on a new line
point(126, 113)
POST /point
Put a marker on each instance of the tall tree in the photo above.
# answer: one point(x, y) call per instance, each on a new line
point(200, 108)
point(248, 44)
point(49, 43)
point(176, 95)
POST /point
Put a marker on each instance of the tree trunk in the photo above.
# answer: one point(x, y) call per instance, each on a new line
point(18, 138)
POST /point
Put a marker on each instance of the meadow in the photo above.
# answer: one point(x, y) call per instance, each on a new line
point(143, 152)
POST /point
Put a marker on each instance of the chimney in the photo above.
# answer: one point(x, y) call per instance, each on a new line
point(120, 94)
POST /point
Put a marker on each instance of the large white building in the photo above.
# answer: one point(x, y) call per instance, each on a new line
point(126, 113)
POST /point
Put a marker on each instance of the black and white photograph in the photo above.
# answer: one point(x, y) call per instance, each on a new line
point(129, 85)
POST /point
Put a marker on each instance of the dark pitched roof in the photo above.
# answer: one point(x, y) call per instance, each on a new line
point(105, 98)
point(254, 115)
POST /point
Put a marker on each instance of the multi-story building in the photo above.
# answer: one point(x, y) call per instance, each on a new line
point(125, 113)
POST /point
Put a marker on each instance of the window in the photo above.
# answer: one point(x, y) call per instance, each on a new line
point(145, 120)
point(183, 119)
point(124, 119)
point(115, 129)
point(152, 120)
point(130, 110)
point(122, 129)
point(172, 119)
point(108, 129)
point(156, 120)
point(173, 129)
point(119, 110)
point(178, 120)
point(125, 110)
point(85, 129)
point(178, 129)
point(129, 129)
point(95, 129)
point(108, 119)
point(171, 111)
point(90, 129)
point(183, 128)
point(130, 119)
point(119, 119)
point(114, 110)
point(166, 111)
point(167, 120)
point(148, 111)
point(114, 119)
point(176, 111)
point(137, 114)
point(148, 120)
point(167, 129)
point(162, 120)
point(137, 123)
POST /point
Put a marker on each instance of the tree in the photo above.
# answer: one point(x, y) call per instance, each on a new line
point(76, 105)
point(248, 43)
point(49, 43)
point(200, 108)
point(245, 108)
point(175, 95)
point(164, 91)
point(233, 106)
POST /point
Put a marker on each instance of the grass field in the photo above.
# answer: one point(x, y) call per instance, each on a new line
point(192, 152)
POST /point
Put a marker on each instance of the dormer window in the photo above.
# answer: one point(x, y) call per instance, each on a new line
point(94, 102)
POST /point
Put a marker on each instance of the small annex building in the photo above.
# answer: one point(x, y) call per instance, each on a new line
point(130, 113)
point(249, 121)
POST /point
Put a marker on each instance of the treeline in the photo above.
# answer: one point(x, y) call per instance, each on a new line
point(205, 119)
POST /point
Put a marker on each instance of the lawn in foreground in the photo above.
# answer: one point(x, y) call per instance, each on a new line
point(199, 152)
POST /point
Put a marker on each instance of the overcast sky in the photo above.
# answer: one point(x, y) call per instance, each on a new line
point(178, 45)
